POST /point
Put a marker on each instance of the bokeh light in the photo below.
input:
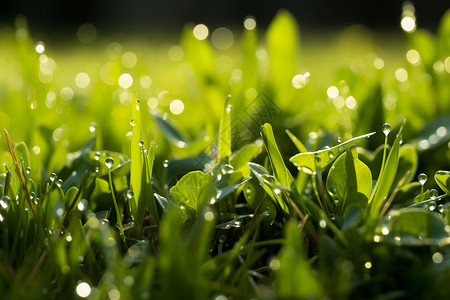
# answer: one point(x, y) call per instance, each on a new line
point(222, 38)
point(82, 80)
point(201, 31)
point(176, 107)
point(125, 80)
point(250, 23)
point(86, 33)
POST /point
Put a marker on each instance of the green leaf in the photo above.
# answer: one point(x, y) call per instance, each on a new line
point(443, 180)
point(444, 34)
point(434, 134)
point(146, 198)
point(377, 198)
point(294, 269)
point(297, 142)
point(268, 183)
point(407, 165)
point(281, 173)
point(423, 41)
point(225, 134)
point(228, 184)
point(282, 47)
point(240, 159)
point(322, 158)
point(349, 180)
point(414, 227)
point(195, 190)
point(170, 132)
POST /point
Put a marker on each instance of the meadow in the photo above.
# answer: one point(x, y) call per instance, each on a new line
point(227, 164)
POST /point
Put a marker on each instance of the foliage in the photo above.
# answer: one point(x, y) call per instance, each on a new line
point(223, 203)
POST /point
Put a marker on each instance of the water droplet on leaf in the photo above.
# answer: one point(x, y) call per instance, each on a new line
point(109, 162)
point(28, 171)
point(386, 128)
point(222, 239)
point(422, 178)
point(433, 194)
point(132, 123)
point(130, 194)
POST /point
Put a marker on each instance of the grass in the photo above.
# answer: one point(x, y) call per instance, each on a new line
point(265, 170)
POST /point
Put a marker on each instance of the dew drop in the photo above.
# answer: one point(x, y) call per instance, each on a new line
point(222, 239)
point(228, 107)
point(441, 208)
point(141, 143)
point(3, 203)
point(109, 162)
point(92, 127)
point(322, 223)
point(422, 178)
point(431, 205)
point(318, 160)
point(28, 171)
point(433, 194)
point(130, 194)
point(330, 155)
point(339, 139)
point(226, 169)
point(386, 128)
point(165, 163)
point(132, 123)
point(53, 177)
point(97, 155)
point(59, 182)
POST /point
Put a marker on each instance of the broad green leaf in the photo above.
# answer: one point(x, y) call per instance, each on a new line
point(295, 279)
point(225, 134)
point(195, 190)
point(414, 227)
point(349, 181)
point(443, 180)
point(281, 173)
point(378, 196)
point(136, 159)
point(322, 158)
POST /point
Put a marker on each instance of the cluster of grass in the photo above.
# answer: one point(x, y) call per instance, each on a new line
point(239, 174)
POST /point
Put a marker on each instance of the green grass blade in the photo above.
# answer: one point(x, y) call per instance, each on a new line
point(225, 133)
point(377, 200)
point(136, 159)
point(280, 171)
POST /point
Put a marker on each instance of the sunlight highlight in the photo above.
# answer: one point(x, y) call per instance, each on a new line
point(201, 32)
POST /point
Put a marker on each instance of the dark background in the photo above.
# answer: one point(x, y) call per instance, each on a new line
point(121, 15)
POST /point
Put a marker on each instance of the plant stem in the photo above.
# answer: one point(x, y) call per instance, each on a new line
point(116, 207)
